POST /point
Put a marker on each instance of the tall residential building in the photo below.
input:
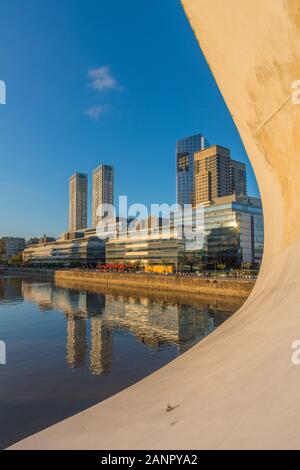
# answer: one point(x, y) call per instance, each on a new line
point(78, 202)
point(103, 190)
point(185, 150)
point(212, 168)
point(238, 178)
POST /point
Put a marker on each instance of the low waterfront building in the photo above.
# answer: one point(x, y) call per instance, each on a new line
point(234, 228)
point(146, 242)
point(144, 250)
point(71, 250)
point(232, 234)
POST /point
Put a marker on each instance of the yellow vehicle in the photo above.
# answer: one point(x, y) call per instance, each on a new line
point(159, 269)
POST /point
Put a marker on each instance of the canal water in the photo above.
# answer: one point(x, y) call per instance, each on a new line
point(69, 347)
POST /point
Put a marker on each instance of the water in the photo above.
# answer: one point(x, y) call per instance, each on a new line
point(69, 347)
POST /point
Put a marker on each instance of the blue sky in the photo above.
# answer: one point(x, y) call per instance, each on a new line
point(90, 82)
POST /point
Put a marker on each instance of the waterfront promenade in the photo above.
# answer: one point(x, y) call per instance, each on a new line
point(189, 285)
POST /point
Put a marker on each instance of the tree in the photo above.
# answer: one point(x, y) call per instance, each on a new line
point(221, 266)
point(246, 265)
point(191, 260)
point(16, 259)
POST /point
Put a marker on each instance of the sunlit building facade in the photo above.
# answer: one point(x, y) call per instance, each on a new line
point(103, 190)
point(70, 250)
point(238, 175)
point(212, 173)
point(78, 187)
point(233, 232)
point(144, 247)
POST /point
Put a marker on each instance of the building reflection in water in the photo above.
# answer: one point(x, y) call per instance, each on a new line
point(92, 317)
point(82, 310)
point(11, 290)
point(76, 342)
point(101, 347)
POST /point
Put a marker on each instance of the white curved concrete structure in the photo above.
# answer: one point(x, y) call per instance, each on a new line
point(238, 388)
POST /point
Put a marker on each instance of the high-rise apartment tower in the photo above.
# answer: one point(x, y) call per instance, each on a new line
point(78, 202)
point(212, 167)
point(103, 191)
point(238, 178)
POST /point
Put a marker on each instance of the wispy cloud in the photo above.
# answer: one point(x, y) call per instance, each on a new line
point(102, 79)
point(95, 112)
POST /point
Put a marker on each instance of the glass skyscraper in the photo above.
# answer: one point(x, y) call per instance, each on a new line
point(185, 150)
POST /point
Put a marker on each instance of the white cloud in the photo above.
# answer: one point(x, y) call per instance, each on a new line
point(96, 111)
point(101, 79)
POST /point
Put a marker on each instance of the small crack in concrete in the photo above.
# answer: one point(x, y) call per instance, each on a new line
point(273, 115)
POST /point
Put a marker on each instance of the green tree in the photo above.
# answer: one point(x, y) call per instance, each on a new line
point(221, 266)
point(246, 265)
point(16, 259)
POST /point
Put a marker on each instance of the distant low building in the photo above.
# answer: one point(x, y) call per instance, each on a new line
point(32, 241)
point(45, 239)
point(11, 246)
point(67, 251)
point(37, 240)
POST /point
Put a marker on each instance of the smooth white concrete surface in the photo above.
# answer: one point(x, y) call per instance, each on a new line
point(238, 388)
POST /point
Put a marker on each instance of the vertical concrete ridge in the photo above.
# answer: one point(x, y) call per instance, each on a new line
point(238, 387)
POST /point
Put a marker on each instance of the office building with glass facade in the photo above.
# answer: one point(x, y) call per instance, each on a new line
point(233, 232)
point(147, 243)
point(72, 249)
point(185, 150)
